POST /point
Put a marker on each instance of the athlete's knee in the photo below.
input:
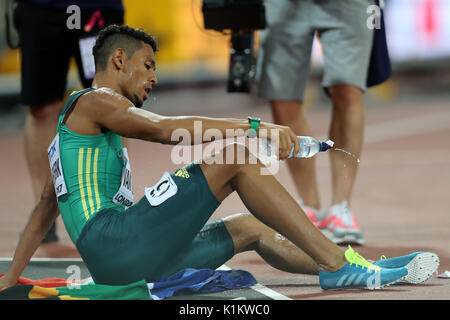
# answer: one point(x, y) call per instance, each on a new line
point(245, 231)
point(286, 112)
point(245, 221)
point(345, 96)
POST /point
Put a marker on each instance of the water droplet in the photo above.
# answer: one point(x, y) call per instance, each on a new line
point(348, 153)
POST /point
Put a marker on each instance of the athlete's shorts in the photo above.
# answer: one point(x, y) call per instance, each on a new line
point(147, 242)
point(286, 45)
point(46, 45)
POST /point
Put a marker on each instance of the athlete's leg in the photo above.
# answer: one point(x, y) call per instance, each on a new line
point(248, 233)
point(290, 113)
point(211, 248)
point(270, 202)
point(221, 239)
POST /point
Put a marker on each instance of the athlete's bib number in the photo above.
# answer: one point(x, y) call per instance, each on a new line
point(54, 159)
point(163, 190)
point(125, 194)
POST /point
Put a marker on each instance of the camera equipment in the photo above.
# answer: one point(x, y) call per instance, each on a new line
point(242, 17)
point(242, 62)
point(234, 14)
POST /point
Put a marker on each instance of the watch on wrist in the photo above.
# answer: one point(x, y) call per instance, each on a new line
point(254, 125)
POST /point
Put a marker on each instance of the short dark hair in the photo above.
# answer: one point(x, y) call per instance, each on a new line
point(119, 36)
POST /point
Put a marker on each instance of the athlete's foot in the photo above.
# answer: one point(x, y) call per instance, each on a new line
point(359, 273)
point(334, 264)
point(420, 265)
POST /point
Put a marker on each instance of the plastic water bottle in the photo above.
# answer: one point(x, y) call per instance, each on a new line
point(310, 146)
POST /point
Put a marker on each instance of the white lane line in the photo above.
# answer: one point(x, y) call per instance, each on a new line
point(47, 260)
point(262, 289)
point(269, 292)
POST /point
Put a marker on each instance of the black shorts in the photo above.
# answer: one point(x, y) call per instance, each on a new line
point(46, 48)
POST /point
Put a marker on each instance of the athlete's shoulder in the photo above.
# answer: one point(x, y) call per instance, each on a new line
point(104, 98)
point(93, 109)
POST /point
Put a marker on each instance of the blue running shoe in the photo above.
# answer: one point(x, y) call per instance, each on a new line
point(358, 273)
point(420, 265)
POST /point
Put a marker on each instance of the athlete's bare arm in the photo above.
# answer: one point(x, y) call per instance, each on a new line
point(41, 220)
point(103, 109)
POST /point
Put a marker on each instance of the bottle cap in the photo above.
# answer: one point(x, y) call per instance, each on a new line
point(324, 146)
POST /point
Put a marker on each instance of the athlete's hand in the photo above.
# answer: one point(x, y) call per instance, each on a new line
point(6, 283)
point(283, 136)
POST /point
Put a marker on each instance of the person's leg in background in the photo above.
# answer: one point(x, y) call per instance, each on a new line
point(39, 130)
point(44, 65)
point(347, 42)
point(347, 131)
point(303, 171)
point(283, 68)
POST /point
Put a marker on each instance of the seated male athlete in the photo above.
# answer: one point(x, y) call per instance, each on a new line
point(167, 229)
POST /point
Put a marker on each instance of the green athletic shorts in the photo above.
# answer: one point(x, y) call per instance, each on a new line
point(146, 242)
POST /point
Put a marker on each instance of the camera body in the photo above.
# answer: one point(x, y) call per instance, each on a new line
point(242, 17)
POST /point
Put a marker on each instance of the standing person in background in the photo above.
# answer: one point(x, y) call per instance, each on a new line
point(50, 32)
point(283, 65)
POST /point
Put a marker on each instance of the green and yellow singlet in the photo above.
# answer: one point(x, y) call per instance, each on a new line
point(92, 169)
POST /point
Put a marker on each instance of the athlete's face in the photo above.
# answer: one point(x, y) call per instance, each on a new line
point(140, 77)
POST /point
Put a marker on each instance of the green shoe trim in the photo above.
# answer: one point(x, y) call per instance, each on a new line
point(353, 257)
